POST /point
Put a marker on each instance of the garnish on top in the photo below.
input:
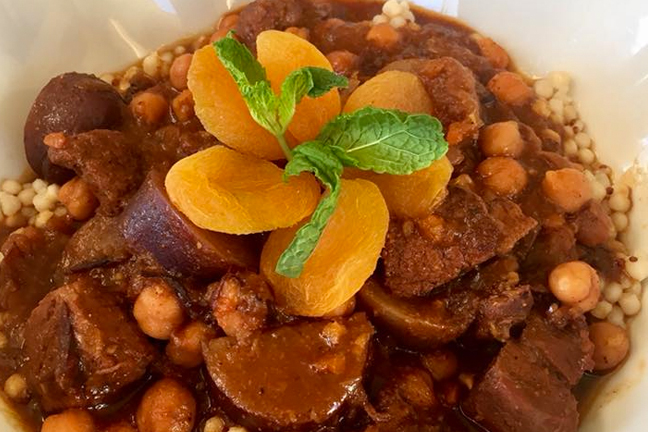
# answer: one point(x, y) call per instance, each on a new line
point(373, 139)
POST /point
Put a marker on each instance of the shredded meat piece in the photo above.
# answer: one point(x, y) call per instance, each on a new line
point(107, 161)
point(461, 234)
point(81, 349)
point(241, 303)
point(501, 311)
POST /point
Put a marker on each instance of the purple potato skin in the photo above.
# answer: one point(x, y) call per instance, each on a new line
point(152, 223)
point(71, 103)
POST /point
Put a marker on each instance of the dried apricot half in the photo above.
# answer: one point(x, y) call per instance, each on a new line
point(410, 196)
point(342, 261)
point(222, 110)
point(392, 90)
point(222, 190)
point(282, 53)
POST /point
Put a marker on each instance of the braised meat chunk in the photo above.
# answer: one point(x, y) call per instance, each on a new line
point(518, 394)
point(520, 389)
point(408, 402)
point(241, 303)
point(452, 89)
point(106, 160)
point(502, 310)
point(567, 351)
point(81, 349)
point(27, 255)
point(461, 234)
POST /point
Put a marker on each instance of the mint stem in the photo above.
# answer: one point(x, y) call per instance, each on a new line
point(284, 146)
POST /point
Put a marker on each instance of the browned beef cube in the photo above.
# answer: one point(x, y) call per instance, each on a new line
point(518, 393)
point(452, 89)
point(81, 349)
point(567, 351)
point(28, 255)
point(503, 310)
point(461, 234)
point(514, 224)
point(107, 161)
point(553, 246)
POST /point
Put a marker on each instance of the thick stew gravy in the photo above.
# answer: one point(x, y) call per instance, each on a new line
point(125, 316)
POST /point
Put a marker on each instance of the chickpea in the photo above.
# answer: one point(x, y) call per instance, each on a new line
point(78, 199)
point(510, 88)
point(150, 108)
point(183, 106)
point(384, 36)
point(166, 406)
point(215, 424)
point(343, 62)
point(572, 282)
point(301, 32)
point(611, 345)
point(228, 22)
point(502, 175)
point(502, 139)
point(69, 421)
point(218, 35)
point(179, 70)
point(495, 54)
point(16, 388)
point(185, 346)
point(157, 310)
point(567, 188)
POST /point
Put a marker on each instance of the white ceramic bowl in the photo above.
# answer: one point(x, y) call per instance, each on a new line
point(603, 43)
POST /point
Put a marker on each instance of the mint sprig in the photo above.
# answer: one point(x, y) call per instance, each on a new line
point(373, 139)
point(274, 113)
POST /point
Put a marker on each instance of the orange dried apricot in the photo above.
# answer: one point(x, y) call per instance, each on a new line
point(342, 261)
point(282, 53)
point(222, 110)
point(392, 90)
point(222, 190)
point(410, 196)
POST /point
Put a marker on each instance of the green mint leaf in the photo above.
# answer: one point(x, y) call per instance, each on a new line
point(385, 141)
point(323, 163)
point(308, 81)
point(324, 81)
point(251, 79)
point(239, 61)
point(263, 104)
